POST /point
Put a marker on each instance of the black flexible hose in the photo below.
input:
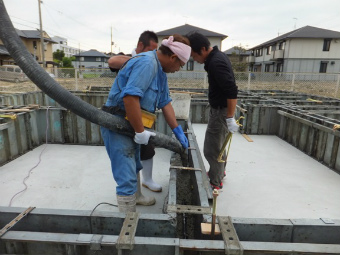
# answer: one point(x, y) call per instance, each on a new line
point(65, 98)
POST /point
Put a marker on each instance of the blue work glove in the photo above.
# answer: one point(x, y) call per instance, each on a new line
point(178, 131)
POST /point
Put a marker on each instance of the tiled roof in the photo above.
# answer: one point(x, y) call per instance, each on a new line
point(91, 53)
point(32, 34)
point(3, 50)
point(304, 32)
point(231, 50)
point(185, 29)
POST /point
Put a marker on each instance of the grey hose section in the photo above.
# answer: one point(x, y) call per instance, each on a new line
point(65, 98)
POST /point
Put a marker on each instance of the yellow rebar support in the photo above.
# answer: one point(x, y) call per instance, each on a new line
point(226, 142)
point(11, 116)
point(314, 100)
point(213, 219)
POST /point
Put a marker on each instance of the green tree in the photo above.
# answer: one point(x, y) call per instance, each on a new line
point(237, 62)
point(67, 62)
point(58, 55)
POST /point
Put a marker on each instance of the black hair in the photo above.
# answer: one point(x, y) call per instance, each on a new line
point(197, 41)
point(147, 36)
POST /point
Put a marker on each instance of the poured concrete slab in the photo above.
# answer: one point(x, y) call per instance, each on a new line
point(266, 178)
point(72, 177)
point(269, 178)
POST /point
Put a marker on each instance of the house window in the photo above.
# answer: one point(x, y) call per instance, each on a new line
point(98, 59)
point(281, 45)
point(267, 68)
point(326, 44)
point(323, 66)
point(258, 53)
point(268, 50)
point(81, 59)
point(190, 65)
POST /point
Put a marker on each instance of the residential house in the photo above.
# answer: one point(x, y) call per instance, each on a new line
point(61, 44)
point(4, 55)
point(90, 59)
point(31, 39)
point(239, 58)
point(304, 50)
point(213, 37)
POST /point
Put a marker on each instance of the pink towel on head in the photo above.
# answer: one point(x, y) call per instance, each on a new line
point(182, 50)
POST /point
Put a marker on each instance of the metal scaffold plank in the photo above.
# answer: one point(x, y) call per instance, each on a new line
point(127, 234)
point(231, 240)
point(189, 209)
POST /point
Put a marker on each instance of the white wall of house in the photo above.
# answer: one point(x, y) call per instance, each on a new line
point(303, 56)
point(306, 55)
point(312, 48)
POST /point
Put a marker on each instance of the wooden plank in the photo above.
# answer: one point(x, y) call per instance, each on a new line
point(206, 229)
point(247, 138)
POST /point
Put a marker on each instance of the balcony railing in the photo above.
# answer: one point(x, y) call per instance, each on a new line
point(277, 54)
point(250, 59)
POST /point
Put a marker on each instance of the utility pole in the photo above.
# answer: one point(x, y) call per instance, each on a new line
point(111, 40)
point(41, 37)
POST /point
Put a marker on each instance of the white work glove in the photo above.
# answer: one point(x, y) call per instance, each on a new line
point(232, 125)
point(143, 138)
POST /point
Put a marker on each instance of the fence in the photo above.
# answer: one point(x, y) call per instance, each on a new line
point(76, 79)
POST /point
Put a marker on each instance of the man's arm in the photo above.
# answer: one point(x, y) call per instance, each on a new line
point(133, 112)
point(116, 62)
point(231, 107)
point(169, 115)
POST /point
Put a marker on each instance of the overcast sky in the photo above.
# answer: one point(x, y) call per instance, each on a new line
point(87, 23)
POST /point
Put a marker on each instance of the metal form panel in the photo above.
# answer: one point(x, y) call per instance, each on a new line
point(83, 232)
point(80, 232)
point(313, 136)
point(199, 111)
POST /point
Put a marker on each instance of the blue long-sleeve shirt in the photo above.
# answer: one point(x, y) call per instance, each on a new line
point(141, 76)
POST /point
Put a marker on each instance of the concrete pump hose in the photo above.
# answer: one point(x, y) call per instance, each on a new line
point(41, 78)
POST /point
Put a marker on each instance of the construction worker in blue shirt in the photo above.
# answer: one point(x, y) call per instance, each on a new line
point(141, 84)
point(147, 41)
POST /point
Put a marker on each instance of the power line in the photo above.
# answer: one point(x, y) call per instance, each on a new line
point(58, 33)
point(25, 20)
point(73, 19)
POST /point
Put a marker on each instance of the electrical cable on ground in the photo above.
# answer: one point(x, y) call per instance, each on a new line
point(30, 171)
point(102, 203)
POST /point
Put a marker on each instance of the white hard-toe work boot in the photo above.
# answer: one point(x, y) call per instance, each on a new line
point(147, 176)
point(126, 203)
point(140, 198)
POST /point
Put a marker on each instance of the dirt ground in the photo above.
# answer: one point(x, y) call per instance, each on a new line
point(315, 88)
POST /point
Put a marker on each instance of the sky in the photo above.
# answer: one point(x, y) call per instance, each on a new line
point(88, 24)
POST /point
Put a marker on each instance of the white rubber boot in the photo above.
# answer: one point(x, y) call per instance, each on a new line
point(147, 176)
point(140, 198)
point(126, 203)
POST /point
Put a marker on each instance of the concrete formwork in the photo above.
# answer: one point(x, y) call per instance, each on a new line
point(177, 231)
